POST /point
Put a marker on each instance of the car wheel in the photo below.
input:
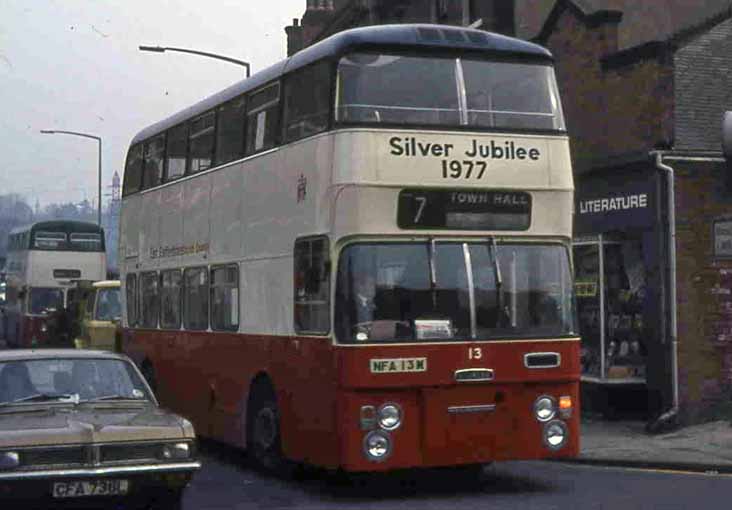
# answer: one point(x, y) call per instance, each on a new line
point(263, 431)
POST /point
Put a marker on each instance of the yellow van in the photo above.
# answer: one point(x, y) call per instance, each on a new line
point(100, 317)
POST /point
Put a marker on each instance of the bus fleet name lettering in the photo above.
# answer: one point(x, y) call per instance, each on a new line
point(174, 251)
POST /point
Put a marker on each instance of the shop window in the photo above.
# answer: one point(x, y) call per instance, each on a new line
point(195, 298)
point(149, 299)
point(263, 119)
point(312, 286)
point(170, 294)
point(225, 298)
point(131, 298)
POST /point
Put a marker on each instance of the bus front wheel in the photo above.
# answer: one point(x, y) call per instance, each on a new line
point(263, 430)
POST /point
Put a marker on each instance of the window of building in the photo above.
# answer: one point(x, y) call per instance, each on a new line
point(230, 131)
point(131, 298)
point(154, 158)
point(201, 138)
point(263, 119)
point(149, 299)
point(170, 294)
point(176, 152)
point(312, 286)
point(307, 101)
point(133, 170)
point(225, 298)
point(195, 298)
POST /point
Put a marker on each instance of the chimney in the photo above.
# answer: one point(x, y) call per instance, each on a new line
point(606, 23)
point(294, 37)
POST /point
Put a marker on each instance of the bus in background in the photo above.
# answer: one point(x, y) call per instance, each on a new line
point(359, 257)
point(45, 260)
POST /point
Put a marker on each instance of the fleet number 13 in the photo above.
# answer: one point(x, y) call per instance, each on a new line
point(475, 353)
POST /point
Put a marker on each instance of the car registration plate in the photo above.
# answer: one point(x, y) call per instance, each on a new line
point(90, 488)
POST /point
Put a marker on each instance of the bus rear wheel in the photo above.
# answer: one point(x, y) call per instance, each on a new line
point(263, 432)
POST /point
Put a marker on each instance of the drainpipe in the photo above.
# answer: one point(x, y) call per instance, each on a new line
point(670, 415)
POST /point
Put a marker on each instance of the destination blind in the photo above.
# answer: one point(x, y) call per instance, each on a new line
point(464, 209)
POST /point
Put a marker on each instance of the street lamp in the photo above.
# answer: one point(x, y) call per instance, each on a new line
point(99, 179)
point(162, 49)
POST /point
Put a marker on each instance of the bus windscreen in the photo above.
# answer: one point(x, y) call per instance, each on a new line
point(415, 90)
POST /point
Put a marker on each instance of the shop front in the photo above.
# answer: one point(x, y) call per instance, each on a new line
point(618, 264)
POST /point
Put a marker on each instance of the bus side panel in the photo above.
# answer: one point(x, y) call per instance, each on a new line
point(226, 215)
point(196, 229)
point(171, 222)
point(304, 370)
point(149, 240)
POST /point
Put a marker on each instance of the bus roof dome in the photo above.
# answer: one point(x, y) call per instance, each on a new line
point(375, 37)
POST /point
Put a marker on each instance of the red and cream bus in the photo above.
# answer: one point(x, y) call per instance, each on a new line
point(359, 258)
point(44, 260)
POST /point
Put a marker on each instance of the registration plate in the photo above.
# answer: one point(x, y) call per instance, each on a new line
point(90, 488)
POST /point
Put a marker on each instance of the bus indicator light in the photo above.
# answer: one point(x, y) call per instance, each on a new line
point(565, 406)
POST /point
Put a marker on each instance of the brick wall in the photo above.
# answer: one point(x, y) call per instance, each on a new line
point(610, 112)
point(704, 289)
point(703, 88)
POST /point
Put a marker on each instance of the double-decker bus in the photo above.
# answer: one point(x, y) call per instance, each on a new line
point(44, 261)
point(359, 257)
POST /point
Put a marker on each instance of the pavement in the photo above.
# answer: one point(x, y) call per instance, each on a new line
point(704, 448)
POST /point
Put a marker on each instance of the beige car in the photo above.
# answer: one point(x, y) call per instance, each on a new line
point(100, 316)
point(84, 427)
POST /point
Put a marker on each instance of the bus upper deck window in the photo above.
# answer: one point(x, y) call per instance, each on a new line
point(49, 240)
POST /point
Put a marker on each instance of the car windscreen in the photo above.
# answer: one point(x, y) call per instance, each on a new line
point(421, 90)
point(58, 379)
point(109, 307)
point(453, 291)
point(45, 300)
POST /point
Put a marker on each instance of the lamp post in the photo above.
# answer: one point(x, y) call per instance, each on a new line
point(99, 177)
point(162, 49)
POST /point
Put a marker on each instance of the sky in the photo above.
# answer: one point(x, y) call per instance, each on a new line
point(75, 65)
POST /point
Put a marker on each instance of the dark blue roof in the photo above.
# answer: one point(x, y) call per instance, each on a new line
point(378, 36)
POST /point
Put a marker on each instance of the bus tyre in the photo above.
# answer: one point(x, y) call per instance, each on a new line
point(263, 432)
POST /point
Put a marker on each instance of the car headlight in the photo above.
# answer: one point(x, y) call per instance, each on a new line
point(545, 408)
point(555, 434)
point(390, 416)
point(377, 445)
point(9, 460)
point(176, 451)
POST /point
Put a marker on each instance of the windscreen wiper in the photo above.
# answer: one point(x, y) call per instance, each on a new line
point(499, 279)
point(433, 272)
point(41, 397)
point(112, 397)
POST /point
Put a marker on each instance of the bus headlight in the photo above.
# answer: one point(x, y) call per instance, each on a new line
point(545, 408)
point(555, 434)
point(390, 416)
point(377, 445)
